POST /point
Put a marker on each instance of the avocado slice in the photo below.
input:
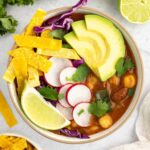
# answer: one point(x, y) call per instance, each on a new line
point(115, 42)
point(94, 39)
point(83, 48)
point(99, 42)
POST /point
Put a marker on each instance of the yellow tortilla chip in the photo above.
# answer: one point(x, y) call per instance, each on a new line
point(37, 20)
point(6, 111)
point(4, 142)
point(62, 53)
point(9, 74)
point(33, 77)
point(39, 62)
point(37, 42)
point(20, 69)
point(21, 144)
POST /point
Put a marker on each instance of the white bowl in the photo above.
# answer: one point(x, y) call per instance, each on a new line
point(97, 136)
point(21, 136)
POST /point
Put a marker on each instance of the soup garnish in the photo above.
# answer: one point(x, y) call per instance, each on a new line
point(76, 67)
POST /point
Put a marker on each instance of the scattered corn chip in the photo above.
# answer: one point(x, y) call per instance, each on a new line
point(9, 74)
point(14, 143)
point(37, 20)
point(6, 112)
point(33, 77)
point(62, 53)
point(37, 42)
point(32, 58)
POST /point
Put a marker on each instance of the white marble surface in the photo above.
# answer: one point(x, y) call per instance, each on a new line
point(140, 33)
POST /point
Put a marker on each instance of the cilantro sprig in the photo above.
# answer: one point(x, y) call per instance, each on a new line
point(81, 74)
point(123, 65)
point(49, 93)
point(102, 104)
point(7, 22)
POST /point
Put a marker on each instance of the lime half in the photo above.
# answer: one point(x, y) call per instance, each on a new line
point(135, 11)
point(40, 112)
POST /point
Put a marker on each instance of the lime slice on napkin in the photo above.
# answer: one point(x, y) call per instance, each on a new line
point(40, 112)
point(135, 11)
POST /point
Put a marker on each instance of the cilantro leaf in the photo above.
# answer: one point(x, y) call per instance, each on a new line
point(131, 91)
point(58, 33)
point(81, 74)
point(102, 95)
point(99, 108)
point(123, 65)
point(20, 2)
point(49, 93)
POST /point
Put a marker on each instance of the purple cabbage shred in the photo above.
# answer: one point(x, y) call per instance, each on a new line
point(73, 133)
point(62, 21)
point(77, 63)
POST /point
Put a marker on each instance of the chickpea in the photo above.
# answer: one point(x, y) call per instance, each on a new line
point(106, 121)
point(129, 81)
point(114, 80)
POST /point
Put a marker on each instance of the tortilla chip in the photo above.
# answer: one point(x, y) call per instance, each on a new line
point(33, 77)
point(21, 144)
point(37, 20)
point(9, 74)
point(62, 53)
point(6, 112)
point(39, 62)
point(37, 42)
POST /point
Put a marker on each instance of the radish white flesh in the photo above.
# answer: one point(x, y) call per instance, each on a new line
point(81, 115)
point(67, 112)
point(58, 64)
point(67, 73)
point(78, 93)
point(63, 91)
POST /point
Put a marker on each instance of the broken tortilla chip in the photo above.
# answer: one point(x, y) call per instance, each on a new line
point(62, 53)
point(36, 20)
point(37, 42)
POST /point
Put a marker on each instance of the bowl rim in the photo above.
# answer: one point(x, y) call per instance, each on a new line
point(21, 136)
point(94, 10)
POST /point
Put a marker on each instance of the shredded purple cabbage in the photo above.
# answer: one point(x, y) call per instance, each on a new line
point(62, 21)
point(77, 63)
point(74, 133)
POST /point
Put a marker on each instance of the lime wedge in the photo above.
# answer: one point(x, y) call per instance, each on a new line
point(135, 11)
point(40, 112)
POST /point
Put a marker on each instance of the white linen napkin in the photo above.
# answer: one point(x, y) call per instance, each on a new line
point(142, 129)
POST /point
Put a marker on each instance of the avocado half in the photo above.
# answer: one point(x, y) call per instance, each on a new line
point(99, 42)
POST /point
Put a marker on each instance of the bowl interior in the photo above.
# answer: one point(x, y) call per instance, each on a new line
point(126, 115)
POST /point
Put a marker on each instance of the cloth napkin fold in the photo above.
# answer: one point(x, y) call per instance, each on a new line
point(142, 129)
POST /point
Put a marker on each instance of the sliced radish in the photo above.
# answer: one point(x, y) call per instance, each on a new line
point(63, 91)
point(67, 73)
point(78, 93)
point(67, 112)
point(58, 64)
point(81, 115)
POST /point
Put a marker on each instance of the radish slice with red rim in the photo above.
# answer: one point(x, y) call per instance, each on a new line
point(81, 115)
point(67, 112)
point(63, 91)
point(58, 64)
point(78, 93)
point(67, 73)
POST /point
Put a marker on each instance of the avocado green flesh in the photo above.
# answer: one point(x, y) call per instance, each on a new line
point(104, 44)
point(96, 40)
point(114, 39)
